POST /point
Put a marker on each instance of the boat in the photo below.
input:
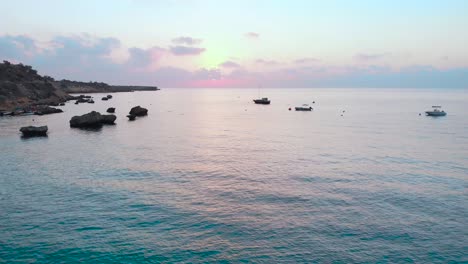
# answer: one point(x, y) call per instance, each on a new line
point(304, 107)
point(105, 98)
point(262, 101)
point(436, 111)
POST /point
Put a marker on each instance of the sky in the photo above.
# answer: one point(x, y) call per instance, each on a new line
point(242, 43)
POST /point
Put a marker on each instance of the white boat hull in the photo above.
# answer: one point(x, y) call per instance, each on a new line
point(435, 113)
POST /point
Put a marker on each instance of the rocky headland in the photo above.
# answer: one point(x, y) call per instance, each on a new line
point(23, 89)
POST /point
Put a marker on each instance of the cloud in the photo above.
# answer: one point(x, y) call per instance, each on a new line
point(207, 74)
point(79, 57)
point(18, 48)
point(252, 35)
point(229, 64)
point(88, 58)
point(142, 58)
point(186, 41)
point(370, 57)
point(267, 62)
point(186, 51)
point(306, 60)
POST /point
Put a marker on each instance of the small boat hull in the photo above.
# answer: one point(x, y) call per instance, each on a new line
point(303, 108)
point(435, 113)
point(259, 101)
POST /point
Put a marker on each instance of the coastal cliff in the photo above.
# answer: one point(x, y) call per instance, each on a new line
point(22, 86)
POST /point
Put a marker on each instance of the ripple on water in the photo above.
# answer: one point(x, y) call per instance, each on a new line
point(264, 185)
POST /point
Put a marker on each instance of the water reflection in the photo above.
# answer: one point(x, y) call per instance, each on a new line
point(209, 176)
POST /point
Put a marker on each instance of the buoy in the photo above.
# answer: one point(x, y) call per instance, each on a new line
point(313, 102)
point(289, 108)
point(419, 113)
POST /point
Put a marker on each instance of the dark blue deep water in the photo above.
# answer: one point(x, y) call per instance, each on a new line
point(209, 177)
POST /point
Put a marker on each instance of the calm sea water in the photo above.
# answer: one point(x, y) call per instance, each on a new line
point(209, 176)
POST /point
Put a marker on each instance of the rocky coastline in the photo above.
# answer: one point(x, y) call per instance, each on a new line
point(24, 91)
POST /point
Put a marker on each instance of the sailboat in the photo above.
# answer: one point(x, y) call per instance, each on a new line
point(263, 100)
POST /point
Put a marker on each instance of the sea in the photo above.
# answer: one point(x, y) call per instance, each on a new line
point(210, 177)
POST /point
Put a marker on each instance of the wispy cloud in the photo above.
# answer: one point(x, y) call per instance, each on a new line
point(229, 64)
point(252, 35)
point(187, 41)
point(370, 56)
point(186, 51)
point(267, 62)
point(306, 60)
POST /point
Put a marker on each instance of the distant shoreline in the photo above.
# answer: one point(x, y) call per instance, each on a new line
point(112, 89)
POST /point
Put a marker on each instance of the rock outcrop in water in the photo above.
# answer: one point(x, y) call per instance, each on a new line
point(92, 119)
point(111, 110)
point(46, 110)
point(34, 131)
point(108, 119)
point(138, 111)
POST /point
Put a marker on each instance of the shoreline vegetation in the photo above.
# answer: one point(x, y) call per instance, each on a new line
point(23, 89)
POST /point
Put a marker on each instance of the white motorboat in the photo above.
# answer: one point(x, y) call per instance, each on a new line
point(436, 111)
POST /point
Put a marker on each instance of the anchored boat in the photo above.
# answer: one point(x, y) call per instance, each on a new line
point(436, 111)
point(262, 101)
point(304, 107)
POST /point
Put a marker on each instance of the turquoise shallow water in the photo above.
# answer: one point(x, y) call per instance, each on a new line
point(210, 177)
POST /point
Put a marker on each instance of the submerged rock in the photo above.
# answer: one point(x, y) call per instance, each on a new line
point(92, 119)
point(111, 110)
point(138, 111)
point(33, 131)
point(47, 110)
point(81, 100)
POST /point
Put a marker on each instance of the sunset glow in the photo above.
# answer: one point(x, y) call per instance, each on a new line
point(298, 43)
